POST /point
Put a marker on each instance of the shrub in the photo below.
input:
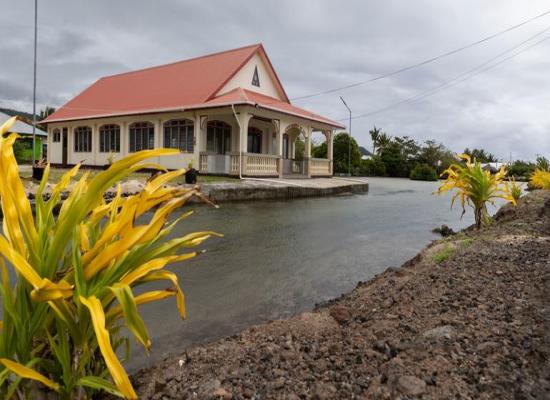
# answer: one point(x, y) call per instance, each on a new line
point(65, 310)
point(372, 167)
point(423, 172)
point(475, 187)
point(521, 169)
point(540, 179)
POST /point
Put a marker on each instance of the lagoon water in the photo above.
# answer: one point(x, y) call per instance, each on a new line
point(279, 258)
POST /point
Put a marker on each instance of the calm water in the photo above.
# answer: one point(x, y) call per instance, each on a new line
point(280, 258)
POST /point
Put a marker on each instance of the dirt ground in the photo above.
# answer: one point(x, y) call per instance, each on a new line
point(467, 318)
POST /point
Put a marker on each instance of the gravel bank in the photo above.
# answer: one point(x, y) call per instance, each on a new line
point(468, 318)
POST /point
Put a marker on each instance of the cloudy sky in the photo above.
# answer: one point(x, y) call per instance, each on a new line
point(314, 45)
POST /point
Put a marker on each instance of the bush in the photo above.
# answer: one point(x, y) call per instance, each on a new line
point(521, 169)
point(476, 187)
point(540, 179)
point(372, 167)
point(423, 172)
point(70, 305)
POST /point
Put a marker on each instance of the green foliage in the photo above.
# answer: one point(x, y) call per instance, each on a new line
point(476, 187)
point(521, 169)
point(395, 160)
point(542, 164)
point(480, 155)
point(341, 153)
point(423, 172)
point(319, 151)
point(299, 149)
point(445, 254)
point(371, 167)
point(68, 302)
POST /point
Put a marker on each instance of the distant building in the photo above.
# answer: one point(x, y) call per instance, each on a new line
point(23, 128)
point(188, 105)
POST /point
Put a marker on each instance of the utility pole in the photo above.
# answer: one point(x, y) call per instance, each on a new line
point(34, 85)
point(349, 134)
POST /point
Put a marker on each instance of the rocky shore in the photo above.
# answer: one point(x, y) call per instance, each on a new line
point(467, 318)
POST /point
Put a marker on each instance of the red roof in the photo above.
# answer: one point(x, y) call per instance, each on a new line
point(187, 84)
point(244, 96)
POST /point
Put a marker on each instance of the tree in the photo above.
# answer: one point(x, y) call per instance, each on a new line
point(480, 155)
point(299, 149)
point(45, 113)
point(383, 140)
point(374, 135)
point(319, 151)
point(393, 158)
point(341, 153)
point(543, 164)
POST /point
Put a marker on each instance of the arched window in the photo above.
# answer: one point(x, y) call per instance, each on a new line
point(178, 134)
point(218, 137)
point(109, 138)
point(254, 140)
point(83, 139)
point(142, 136)
point(56, 135)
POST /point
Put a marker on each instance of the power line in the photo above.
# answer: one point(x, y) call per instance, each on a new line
point(421, 63)
point(487, 65)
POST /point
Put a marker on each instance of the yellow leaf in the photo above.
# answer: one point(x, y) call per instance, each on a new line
point(48, 290)
point(19, 263)
point(168, 275)
point(116, 370)
point(28, 373)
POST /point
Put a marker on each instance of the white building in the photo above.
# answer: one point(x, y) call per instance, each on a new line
point(227, 113)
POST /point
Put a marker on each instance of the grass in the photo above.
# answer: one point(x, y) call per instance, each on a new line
point(445, 254)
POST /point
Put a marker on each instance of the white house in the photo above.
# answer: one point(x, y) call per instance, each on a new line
point(227, 113)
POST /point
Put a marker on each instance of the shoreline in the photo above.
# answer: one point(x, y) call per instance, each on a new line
point(473, 324)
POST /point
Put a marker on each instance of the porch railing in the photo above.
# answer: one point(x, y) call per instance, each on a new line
point(320, 167)
point(293, 167)
point(261, 164)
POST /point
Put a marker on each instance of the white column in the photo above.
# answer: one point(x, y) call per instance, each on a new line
point(95, 143)
point(197, 132)
point(330, 147)
point(307, 155)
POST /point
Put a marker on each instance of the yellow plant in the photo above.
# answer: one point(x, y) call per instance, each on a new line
point(476, 187)
point(514, 189)
point(71, 291)
point(540, 179)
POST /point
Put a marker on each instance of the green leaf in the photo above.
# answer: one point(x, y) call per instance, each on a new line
point(125, 297)
point(97, 383)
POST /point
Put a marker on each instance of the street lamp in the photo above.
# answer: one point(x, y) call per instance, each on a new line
point(349, 133)
point(34, 86)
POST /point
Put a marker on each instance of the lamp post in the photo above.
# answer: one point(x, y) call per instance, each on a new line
point(349, 133)
point(34, 85)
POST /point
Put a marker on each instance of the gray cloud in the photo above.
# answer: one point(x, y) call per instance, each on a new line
point(314, 45)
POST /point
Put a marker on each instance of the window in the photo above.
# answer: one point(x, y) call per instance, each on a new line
point(178, 134)
point(83, 139)
point(218, 137)
point(109, 139)
point(255, 77)
point(254, 140)
point(142, 136)
point(56, 135)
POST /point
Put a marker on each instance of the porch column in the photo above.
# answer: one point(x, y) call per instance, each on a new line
point(307, 155)
point(280, 149)
point(330, 147)
point(198, 142)
point(244, 118)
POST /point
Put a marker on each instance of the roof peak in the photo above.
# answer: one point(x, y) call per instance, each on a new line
point(218, 53)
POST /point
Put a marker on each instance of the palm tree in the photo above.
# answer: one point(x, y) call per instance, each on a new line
point(374, 135)
point(383, 140)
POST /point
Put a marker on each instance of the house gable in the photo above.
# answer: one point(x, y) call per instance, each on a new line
point(256, 75)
